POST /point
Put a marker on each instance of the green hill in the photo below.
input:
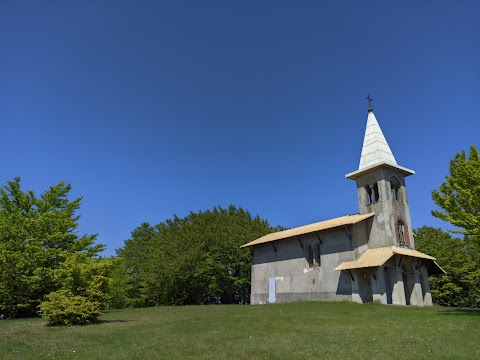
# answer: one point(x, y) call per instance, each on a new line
point(309, 330)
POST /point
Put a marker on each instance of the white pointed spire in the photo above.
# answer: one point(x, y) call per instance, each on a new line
point(375, 148)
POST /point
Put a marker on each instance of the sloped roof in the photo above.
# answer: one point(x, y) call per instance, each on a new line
point(379, 256)
point(319, 226)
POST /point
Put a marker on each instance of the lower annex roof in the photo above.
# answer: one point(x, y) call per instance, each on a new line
point(379, 256)
point(319, 226)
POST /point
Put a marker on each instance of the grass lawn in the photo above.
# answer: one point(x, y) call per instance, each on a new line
point(310, 330)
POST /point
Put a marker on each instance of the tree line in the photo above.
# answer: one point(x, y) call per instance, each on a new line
point(185, 261)
point(47, 269)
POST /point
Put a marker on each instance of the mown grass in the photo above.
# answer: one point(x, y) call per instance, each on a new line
point(282, 331)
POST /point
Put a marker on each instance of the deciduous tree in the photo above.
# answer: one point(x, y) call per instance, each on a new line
point(459, 198)
point(459, 287)
point(459, 195)
point(193, 260)
point(37, 236)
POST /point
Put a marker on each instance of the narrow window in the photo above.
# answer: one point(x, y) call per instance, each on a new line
point(369, 190)
point(309, 255)
point(393, 193)
point(373, 195)
point(376, 192)
point(317, 254)
point(394, 189)
point(401, 232)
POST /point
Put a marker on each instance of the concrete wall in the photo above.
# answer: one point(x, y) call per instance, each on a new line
point(401, 281)
point(285, 263)
point(387, 212)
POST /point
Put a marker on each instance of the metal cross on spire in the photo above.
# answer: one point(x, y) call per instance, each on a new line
point(369, 103)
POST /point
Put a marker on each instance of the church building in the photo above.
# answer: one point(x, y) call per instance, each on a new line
point(369, 256)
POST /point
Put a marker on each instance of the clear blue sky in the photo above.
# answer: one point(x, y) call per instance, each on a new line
point(155, 108)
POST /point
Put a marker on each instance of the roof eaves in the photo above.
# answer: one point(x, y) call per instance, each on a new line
point(379, 256)
point(357, 173)
point(311, 228)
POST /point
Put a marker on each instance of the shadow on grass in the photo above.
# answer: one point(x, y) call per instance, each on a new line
point(93, 323)
point(463, 311)
point(100, 322)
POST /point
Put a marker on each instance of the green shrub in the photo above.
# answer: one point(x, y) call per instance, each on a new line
point(64, 308)
point(82, 296)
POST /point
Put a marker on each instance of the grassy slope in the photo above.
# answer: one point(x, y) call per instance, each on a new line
point(281, 331)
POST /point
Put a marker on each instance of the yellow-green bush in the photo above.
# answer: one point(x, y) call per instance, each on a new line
point(63, 308)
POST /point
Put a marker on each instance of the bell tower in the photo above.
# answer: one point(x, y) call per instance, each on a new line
point(381, 189)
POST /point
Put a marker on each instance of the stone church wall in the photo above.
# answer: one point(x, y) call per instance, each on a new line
point(281, 272)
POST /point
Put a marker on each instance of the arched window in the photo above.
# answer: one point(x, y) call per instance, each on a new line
point(394, 189)
point(309, 255)
point(373, 194)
